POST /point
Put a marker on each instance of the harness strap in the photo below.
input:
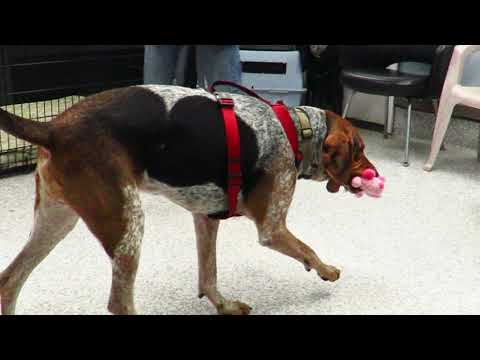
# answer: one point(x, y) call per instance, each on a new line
point(306, 132)
point(287, 123)
point(281, 111)
point(235, 178)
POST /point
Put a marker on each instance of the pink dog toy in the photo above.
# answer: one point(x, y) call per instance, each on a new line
point(369, 184)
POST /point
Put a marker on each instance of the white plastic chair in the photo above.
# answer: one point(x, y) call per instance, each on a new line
point(453, 94)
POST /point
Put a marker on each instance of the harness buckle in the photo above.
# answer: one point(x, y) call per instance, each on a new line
point(225, 102)
point(307, 134)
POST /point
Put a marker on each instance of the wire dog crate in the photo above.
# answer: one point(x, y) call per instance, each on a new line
point(17, 155)
point(39, 82)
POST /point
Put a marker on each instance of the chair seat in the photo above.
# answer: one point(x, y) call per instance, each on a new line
point(385, 82)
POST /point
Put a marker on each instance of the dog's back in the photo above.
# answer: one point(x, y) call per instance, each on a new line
point(173, 137)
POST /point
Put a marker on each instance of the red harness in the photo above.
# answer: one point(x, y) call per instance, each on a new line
point(235, 178)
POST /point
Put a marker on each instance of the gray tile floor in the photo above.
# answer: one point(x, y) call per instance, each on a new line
point(415, 251)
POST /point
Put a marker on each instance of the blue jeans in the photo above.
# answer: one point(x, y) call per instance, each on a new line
point(214, 62)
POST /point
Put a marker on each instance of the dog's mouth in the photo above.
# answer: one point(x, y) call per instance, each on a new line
point(351, 189)
point(333, 185)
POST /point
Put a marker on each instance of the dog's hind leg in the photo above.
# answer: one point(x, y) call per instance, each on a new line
point(206, 231)
point(114, 215)
point(126, 256)
point(53, 220)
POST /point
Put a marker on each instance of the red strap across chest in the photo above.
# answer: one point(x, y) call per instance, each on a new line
point(287, 123)
point(235, 179)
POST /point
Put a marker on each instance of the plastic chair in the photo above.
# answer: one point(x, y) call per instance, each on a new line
point(453, 94)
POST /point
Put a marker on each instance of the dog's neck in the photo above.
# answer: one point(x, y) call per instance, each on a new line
point(311, 163)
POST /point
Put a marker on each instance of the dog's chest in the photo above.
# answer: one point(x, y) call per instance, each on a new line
point(200, 199)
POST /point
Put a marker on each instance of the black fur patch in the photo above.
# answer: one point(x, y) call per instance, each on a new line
point(193, 149)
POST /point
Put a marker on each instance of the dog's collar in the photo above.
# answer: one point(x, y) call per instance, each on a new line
point(311, 132)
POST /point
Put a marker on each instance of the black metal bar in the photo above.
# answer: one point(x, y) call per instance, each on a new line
point(72, 87)
point(67, 61)
point(29, 77)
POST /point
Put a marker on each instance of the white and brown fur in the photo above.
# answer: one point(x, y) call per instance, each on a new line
point(93, 162)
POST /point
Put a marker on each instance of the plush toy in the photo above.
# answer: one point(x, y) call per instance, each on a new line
point(369, 184)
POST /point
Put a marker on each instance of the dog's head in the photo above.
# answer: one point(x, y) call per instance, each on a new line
point(342, 154)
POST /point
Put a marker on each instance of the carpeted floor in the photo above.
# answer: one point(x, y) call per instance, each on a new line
point(415, 251)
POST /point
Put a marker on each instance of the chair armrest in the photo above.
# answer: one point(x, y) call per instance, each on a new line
point(464, 51)
point(456, 65)
point(459, 58)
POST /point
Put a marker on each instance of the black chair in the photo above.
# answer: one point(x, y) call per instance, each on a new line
point(364, 69)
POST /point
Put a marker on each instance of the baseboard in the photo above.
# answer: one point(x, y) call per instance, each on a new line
point(18, 170)
point(425, 106)
point(362, 124)
point(461, 132)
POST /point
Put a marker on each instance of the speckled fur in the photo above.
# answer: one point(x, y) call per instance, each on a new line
point(133, 213)
point(201, 199)
point(271, 141)
point(127, 255)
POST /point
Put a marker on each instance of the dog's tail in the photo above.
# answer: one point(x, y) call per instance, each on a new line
point(37, 133)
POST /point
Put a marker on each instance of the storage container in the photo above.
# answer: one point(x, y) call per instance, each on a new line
point(275, 75)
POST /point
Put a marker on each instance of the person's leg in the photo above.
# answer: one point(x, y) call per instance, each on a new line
point(183, 70)
point(191, 78)
point(160, 64)
point(218, 62)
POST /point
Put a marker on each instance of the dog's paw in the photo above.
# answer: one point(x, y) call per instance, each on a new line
point(233, 308)
point(330, 273)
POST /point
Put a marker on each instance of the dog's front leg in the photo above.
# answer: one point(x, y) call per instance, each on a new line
point(283, 241)
point(268, 207)
point(206, 231)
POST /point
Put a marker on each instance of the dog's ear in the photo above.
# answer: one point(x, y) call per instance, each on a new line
point(337, 159)
point(358, 146)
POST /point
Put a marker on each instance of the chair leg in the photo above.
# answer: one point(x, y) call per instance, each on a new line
point(347, 106)
point(435, 109)
point(435, 106)
point(444, 116)
point(406, 162)
point(390, 117)
point(478, 148)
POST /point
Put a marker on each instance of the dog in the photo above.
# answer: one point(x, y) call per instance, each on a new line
point(95, 158)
